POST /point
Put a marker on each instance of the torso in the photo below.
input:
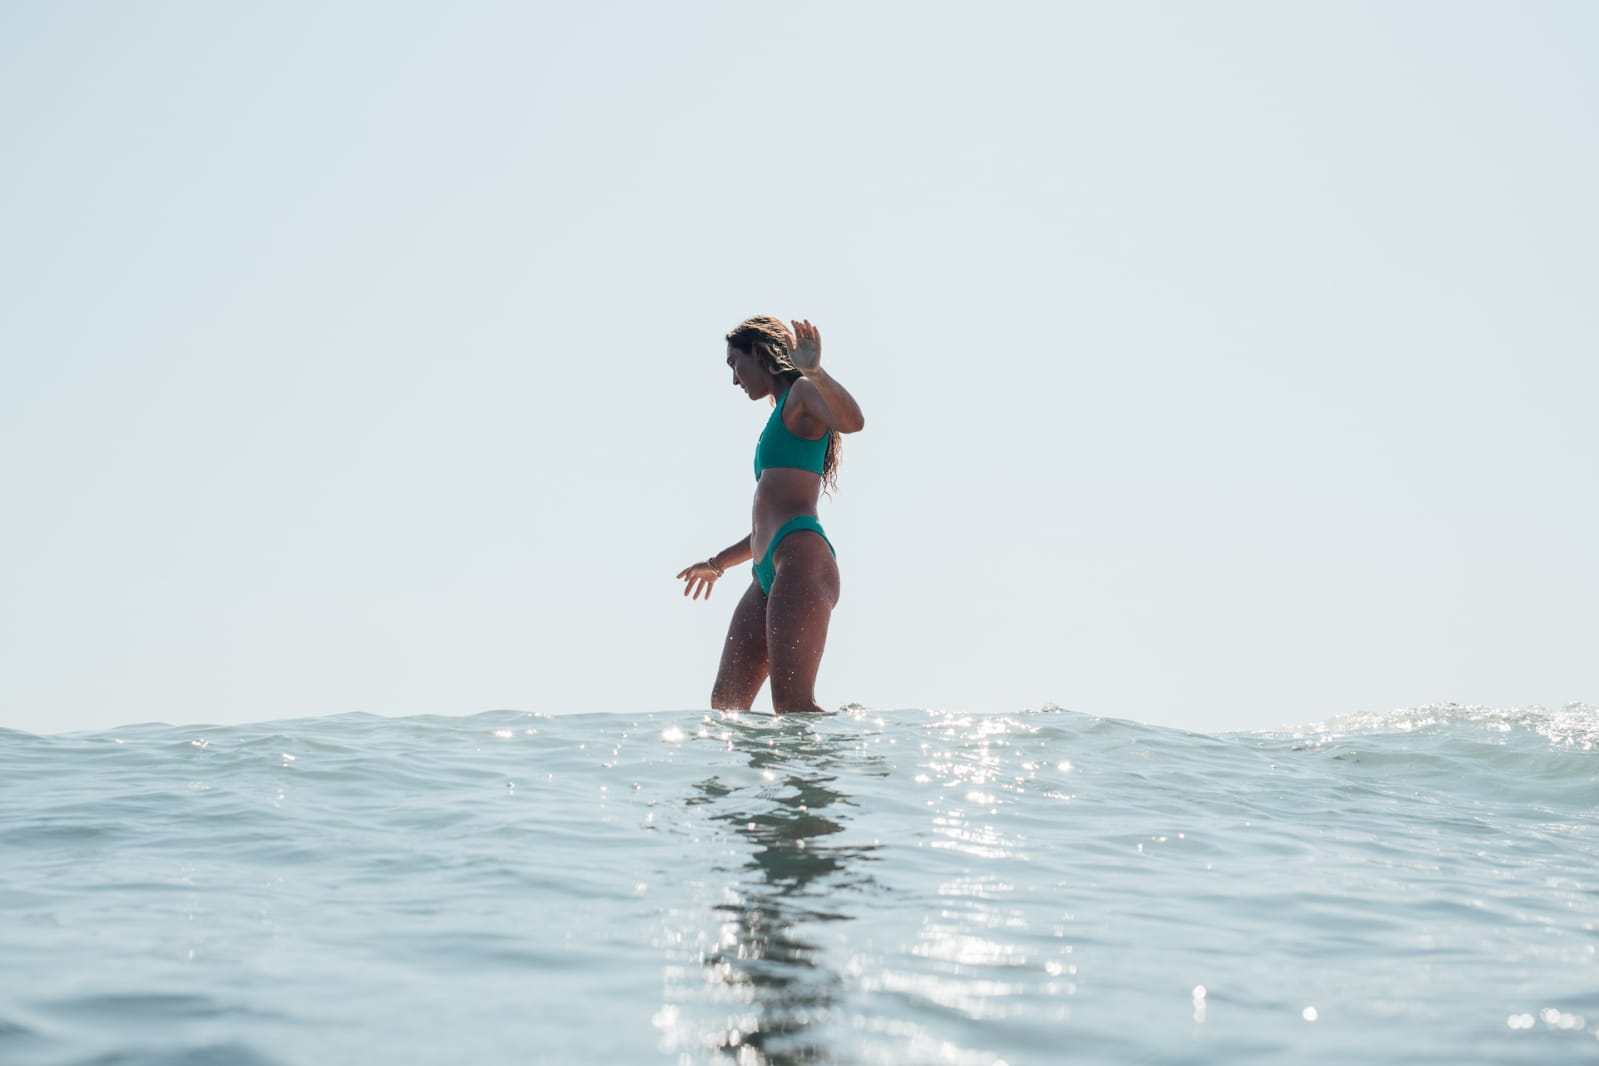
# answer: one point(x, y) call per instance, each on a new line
point(783, 492)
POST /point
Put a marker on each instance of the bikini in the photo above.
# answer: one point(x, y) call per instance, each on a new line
point(779, 446)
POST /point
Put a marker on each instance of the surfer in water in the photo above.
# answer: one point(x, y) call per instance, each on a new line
point(779, 627)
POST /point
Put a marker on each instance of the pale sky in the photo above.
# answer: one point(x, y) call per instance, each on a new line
point(1224, 365)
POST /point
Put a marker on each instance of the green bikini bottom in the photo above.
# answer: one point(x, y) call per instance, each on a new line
point(766, 569)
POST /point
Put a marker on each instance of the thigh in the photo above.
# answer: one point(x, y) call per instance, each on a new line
point(743, 666)
point(804, 593)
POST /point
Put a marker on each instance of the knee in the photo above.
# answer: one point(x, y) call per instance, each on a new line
point(724, 698)
point(796, 706)
point(790, 696)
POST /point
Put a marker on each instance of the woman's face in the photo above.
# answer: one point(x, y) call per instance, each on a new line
point(748, 374)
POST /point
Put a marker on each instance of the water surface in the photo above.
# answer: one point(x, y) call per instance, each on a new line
point(867, 887)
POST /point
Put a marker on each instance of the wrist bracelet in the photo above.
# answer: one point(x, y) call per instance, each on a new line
point(717, 570)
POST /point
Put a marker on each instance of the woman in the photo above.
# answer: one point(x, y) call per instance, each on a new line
point(779, 628)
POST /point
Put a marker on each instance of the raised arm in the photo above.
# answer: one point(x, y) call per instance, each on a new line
point(701, 576)
point(826, 404)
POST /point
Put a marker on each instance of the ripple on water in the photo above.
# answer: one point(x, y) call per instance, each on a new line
point(866, 887)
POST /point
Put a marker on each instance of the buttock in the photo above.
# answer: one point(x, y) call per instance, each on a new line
point(766, 569)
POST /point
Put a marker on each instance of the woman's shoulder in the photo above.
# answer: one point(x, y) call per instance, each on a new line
point(805, 411)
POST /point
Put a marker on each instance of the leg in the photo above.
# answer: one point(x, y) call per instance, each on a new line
point(743, 668)
point(804, 593)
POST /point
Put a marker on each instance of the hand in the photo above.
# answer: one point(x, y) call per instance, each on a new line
point(807, 354)
point(700, 578)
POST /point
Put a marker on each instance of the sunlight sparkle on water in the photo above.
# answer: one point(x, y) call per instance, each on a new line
point(1560, 1019)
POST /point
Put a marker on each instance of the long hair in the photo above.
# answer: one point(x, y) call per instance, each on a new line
point(768, 339)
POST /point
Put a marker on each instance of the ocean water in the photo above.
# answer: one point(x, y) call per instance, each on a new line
point(866, 887)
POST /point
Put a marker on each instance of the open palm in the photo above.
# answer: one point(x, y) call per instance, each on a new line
point(807, 345)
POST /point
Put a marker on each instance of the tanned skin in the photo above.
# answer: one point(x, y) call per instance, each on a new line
point(781, 636)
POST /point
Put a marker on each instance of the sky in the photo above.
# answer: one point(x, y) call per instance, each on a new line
point(1225, 365)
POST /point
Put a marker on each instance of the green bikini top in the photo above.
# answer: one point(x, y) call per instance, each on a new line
point(779, 446)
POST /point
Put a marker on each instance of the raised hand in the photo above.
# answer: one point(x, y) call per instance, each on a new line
point(699, 577)
point(807, 354)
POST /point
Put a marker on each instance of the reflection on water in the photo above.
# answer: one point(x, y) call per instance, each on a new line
point(795, 880)
point(1050, 888)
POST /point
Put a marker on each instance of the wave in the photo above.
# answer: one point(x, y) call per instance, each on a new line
point(868, 886)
